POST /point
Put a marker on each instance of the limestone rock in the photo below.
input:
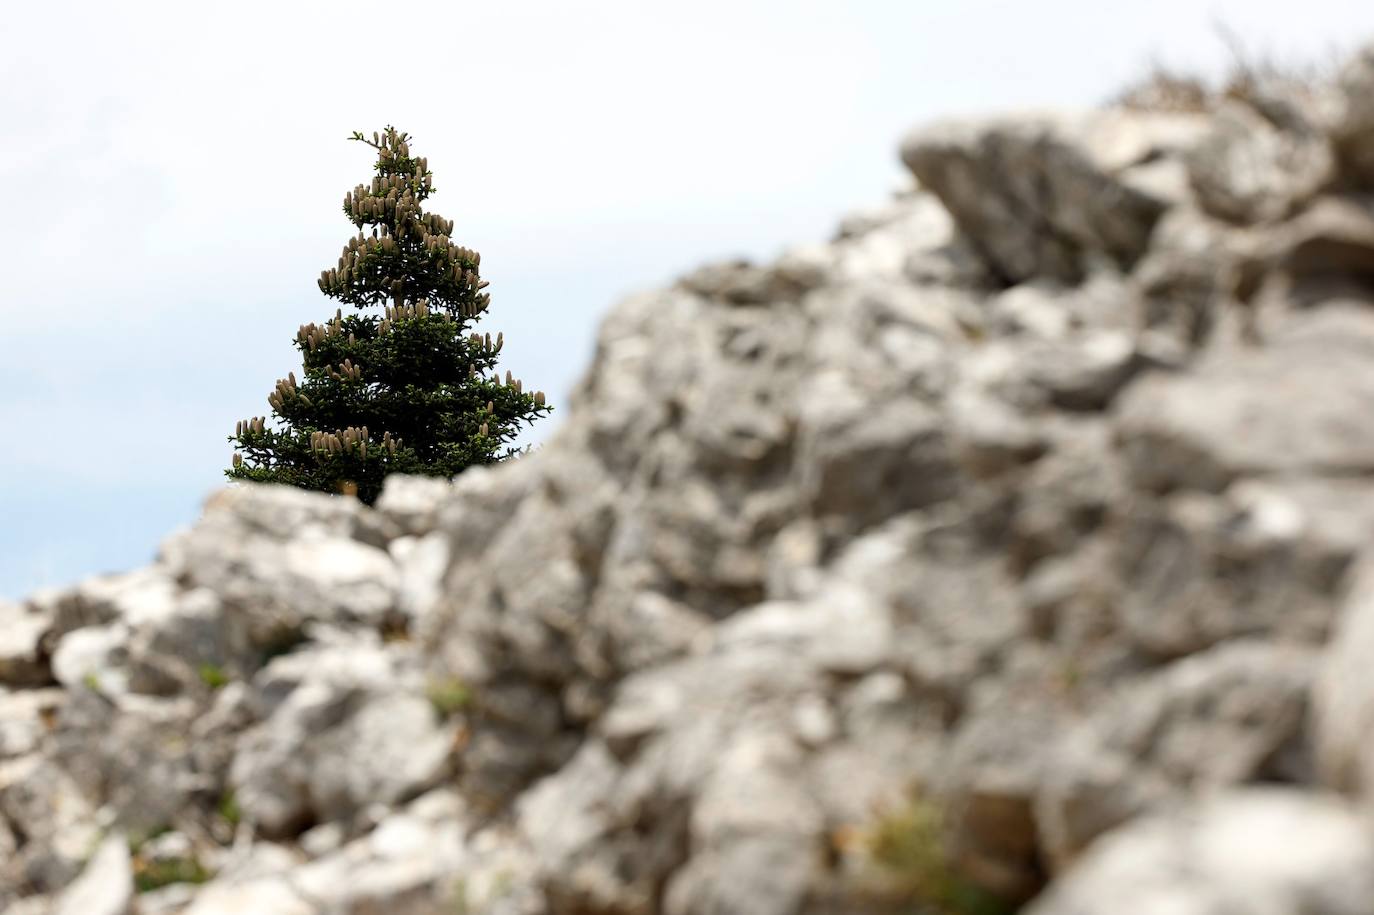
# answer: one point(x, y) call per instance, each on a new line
point(58, 824)
point(1265, 558)
point(265, 895)
point(26, 717)
point(413, 503)
point(1197, 266)
point(131, 755)
point(280, 558)
point(900, 450)
point(105, 887)
point(1258, 850)
point(1233, 715)
point(1326, 253)
point(22, 660)
point(1030, 197)
point(1353, 126)
point(406, 865)
point(421, 565)
point(1250, 170)
point(1343, 697)
point(1288, 407)
point(341, 730)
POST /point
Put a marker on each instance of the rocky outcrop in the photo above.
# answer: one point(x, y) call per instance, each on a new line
point(1008, 550)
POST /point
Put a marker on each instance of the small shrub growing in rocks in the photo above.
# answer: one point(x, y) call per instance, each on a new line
point(908, 847)
point(153, 874)
point(448, 696)
point(1163, 88)
point(228, 808)
point(213, 676)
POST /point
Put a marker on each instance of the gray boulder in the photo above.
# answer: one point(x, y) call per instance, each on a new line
point(1261, 850)
point(1267, 557)
point(1250, 170)
point(279, 557)
point(1352, 127)
point(105, 887)
point(343, 727)
point(1230, 716)
point(22, 658)
point(1030, 197)
point(1288, 407)
point(1343, 696)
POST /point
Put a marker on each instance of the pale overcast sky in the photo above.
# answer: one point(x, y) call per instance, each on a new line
point(174, 172)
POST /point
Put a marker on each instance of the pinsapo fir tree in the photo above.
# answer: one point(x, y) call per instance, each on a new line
point(409, 388)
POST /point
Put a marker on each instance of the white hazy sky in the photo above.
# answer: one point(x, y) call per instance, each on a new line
point(173, 174)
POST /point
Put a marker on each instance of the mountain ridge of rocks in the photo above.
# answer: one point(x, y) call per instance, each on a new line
point(984, 558)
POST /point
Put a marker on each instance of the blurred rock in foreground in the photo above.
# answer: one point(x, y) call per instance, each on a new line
point(1007, 551)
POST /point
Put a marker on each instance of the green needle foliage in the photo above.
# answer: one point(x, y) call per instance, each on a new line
point(410, 389)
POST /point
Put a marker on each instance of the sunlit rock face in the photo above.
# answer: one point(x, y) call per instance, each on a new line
point(1008, 549)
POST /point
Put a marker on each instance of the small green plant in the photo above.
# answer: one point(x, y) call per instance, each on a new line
point(1071, 674)
point(138, 838)
point(908, 847)
point(458, 895)
point(448, 695)
point(228, 808)
point(213, 676)
point(155, 873)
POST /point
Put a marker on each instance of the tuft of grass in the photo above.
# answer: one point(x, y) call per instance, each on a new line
point(1071, 674)
point(213, 676)
point(141, 837)
point(228, 808)
point(908, 847)
point(1247, 73)
point(448, 695)
point(458, 894)
point(1163, 89)
point(1250, 69)
point(154, 874)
